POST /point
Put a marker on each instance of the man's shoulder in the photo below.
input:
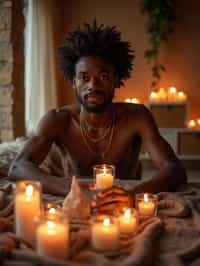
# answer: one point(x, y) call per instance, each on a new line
point(131, 108)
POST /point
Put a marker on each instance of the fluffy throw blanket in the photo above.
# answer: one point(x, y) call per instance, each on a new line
point(172, 238)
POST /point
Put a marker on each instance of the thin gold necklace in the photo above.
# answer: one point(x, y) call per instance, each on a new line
point(87, 144)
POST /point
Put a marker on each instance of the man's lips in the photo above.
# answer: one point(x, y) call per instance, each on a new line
point(94, 97)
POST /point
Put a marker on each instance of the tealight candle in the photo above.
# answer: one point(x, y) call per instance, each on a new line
point(128, 220)
point(105, 234)
point(162, 94)
point(104, 175)
point(146, 204)
point(27, 208)
point(53, 235)
point(128, 100)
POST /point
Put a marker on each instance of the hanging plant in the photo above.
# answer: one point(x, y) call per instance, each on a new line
point(161, 14)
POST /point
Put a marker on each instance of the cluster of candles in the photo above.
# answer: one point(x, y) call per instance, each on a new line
point(194, 123)
point(168, 95)
point(49, 227)
point(132, 100)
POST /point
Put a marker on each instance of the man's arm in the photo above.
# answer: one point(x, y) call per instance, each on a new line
point(171, 173)
point(26, 165)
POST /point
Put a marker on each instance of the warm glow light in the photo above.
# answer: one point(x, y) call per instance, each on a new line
point(51, 224)
point(29, 190)
point(128, 100)
point(146, 197)
point(52, 211)
point(172, 90)
point(127, 213)
point(104, 170)
point(135, 100)
point(106, 222)
point(181, 94)
point(192, 123)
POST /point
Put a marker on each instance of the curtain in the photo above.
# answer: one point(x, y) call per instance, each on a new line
point(40, 77)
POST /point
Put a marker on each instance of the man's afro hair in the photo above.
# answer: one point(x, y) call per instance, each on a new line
point(96, 40)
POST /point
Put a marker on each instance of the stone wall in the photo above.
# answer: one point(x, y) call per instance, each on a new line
point(11, 70)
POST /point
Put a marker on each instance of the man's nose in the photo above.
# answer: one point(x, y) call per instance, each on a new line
point(93, 82)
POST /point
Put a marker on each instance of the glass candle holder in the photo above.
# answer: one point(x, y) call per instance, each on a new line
point(146, 204)
point(128, 220)
point(27, 207)
point(52, 234)
point(104, 175)
point(105, 234)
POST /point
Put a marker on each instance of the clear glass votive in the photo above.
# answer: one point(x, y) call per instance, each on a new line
point(105, 234)
point(52, 233)
point(27, 207)
point(104, 175)
point(128, 220)
point(146, 204)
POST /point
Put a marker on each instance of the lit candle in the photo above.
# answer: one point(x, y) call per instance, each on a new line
point(53, 235)
point(172, 94)
point(104, 175)
point(198, 122)
point(27, 208)
point(162, 94)
point(182, 97)
point(154, 96)
point(105, 233)
point(146, 204)
point(128, 100)
point(192, 123)
point(135, 100)
point(128, 221)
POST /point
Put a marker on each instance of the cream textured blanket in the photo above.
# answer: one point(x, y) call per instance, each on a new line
point(172, 238)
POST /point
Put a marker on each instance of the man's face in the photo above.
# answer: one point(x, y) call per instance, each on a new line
point(94, 83)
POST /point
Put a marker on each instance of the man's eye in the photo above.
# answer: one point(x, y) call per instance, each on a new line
point(105, 77)
point(84, 78)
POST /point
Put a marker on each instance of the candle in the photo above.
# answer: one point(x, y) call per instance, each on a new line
point(128, 100)
point(128, 221)
point(105, 233)
point(182, 97)
point(27, 208)
point(162, 95)
point(53, 235)
point(198, 122)
point(172, 94)
point(146, 204)
point(104, 175)
point(154, 96)
point(192, 123)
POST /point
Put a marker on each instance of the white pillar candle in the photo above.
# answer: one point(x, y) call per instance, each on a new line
point(128, 221)
point(146, 204)
point(105, 234)
point(53, 239)
point(27, 207)
point(172, 94)
point(104, 175)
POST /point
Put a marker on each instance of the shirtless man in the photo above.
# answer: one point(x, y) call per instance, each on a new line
point(96, 130)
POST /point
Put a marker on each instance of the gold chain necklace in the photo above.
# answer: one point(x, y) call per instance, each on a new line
point(86, 137)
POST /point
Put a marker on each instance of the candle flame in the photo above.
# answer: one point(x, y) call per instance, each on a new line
point(127, 213)
point(106, 222)
point(191, 123)
point(52, 211)
point(104, 169)
point(146, 197)
point(29, 190)
point(198, 121)
point(181, 94)
point(128, 100)
point(153, 94)
point(135, 100)
point(172, 90)
point(51, 224)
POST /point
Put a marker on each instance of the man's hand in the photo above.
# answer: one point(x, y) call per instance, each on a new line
point(111, 199)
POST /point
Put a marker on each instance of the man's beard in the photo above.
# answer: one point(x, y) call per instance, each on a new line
point(95, 108)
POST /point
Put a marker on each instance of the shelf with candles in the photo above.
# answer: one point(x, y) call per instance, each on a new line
point(166, 104)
